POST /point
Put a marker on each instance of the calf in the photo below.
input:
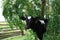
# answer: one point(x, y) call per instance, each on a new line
point(37, 25)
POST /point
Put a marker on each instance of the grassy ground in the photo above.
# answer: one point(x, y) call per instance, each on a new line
point(27, 36)
point(49, 35)
point(19, 38)
point(14, 38)
point(6, 31)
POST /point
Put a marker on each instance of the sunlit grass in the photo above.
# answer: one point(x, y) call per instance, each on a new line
point(49, 35)
point(14, 38)
point(27, 36)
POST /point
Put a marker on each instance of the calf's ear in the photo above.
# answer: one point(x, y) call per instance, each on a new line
point(22, 18)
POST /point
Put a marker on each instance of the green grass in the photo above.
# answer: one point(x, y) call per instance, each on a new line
point(14, 38)
point(19, 38)
point(3, 26)
point(49, 35)
point(27, 36)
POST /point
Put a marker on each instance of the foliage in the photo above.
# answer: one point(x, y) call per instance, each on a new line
point(14, 9)
point(53, 28)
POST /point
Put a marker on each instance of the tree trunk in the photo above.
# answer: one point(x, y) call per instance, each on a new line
point(43, 8)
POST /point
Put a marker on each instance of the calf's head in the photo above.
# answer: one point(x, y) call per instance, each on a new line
point(30, 21)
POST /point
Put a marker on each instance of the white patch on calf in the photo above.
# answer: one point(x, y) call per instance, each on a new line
point(42, 21)
point(29, 17)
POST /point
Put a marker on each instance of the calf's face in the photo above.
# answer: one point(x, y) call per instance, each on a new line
point(28, 22)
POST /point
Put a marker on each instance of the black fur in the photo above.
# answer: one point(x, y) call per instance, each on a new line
point(36, 26)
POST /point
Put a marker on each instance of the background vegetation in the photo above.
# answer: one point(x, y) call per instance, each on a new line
point(14, 9)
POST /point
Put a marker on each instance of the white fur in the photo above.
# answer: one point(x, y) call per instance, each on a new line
point(29, 17)
point(42, 21)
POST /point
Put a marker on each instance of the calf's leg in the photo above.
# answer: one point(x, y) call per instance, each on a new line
point(40, 36)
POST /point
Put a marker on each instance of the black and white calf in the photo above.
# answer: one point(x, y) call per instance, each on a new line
point(37, 25)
